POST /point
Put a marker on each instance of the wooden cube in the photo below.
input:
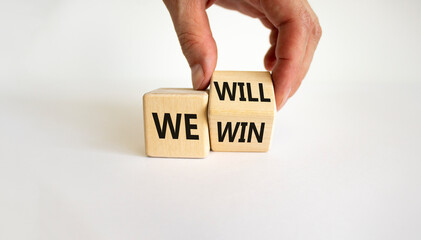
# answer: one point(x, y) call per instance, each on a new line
point(241, 111)
point(176, 123)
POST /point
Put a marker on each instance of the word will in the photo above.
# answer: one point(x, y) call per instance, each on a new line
point(231, 91)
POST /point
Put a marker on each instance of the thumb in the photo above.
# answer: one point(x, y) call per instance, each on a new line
point(192, 26)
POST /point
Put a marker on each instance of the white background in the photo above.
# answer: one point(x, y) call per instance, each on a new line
point(346, 151)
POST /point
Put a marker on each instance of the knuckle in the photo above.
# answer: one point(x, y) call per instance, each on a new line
point(317, 31)
point(310, 23)
point(306, 20)
point(188, 40)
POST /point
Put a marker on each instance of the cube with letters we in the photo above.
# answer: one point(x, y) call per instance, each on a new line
point(176, 123)
point(241, 111)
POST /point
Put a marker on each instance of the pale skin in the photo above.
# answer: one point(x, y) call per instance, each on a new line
point(294, 34)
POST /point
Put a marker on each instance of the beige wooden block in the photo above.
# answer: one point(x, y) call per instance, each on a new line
point(241, 111)
point(176, 123)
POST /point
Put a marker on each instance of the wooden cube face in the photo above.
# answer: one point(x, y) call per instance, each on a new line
point(176, 123)
point(241, 111)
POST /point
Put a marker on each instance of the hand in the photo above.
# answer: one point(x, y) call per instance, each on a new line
point(295, 33)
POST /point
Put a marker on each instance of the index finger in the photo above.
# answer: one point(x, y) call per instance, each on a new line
point(290, 51)
point(289, 20)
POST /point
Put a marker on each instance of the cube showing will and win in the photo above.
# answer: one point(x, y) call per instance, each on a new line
point(241, 111)
point(236, 114)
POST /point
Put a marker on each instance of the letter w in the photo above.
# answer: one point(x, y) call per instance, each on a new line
point(225, 88)
point(167, 121)
point(228, 128)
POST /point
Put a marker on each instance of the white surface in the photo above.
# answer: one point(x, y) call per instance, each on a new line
point(344, 163)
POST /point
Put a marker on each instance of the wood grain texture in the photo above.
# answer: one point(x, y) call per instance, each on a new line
point(241, 111)
point(176, 123)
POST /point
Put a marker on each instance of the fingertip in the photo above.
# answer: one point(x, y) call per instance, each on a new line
point(270, 59)
point(197, 76)
point(269, 64)
point(200, 80)
point(283, 76)
point(284, 100)
point(202, 73)
point(203, 84)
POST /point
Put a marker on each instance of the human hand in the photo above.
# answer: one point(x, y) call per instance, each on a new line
point(295, 33)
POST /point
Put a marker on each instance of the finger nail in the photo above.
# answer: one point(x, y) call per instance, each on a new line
point(286, 96)
point(197, 75)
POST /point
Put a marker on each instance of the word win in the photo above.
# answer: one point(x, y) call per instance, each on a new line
point(232, 133)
